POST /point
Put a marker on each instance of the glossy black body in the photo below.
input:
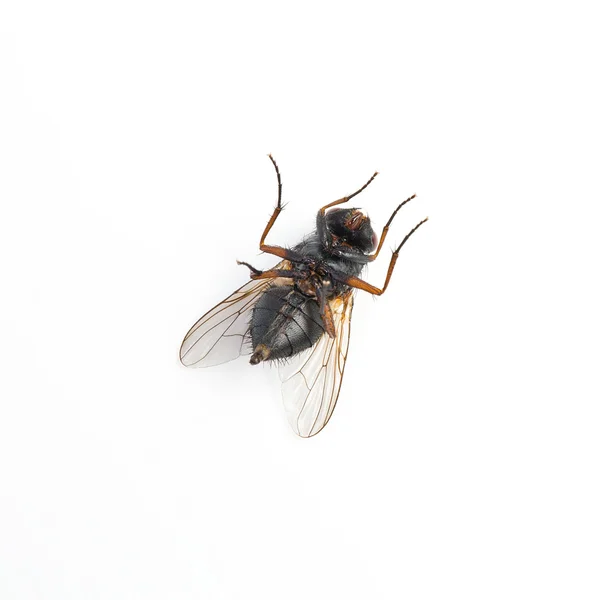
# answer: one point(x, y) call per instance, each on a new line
point(287, 319)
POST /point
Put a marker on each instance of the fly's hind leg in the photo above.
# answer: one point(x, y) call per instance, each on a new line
point(325, 309)
point(276, 250)
point(358, 283)
point(278, 208)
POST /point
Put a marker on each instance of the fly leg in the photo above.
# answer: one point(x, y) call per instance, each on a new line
point(323, 232)
point(272, 273)
point(276, 250)
point(358, 283)
point(326, 314)
point(346, 198)
point(387, 226)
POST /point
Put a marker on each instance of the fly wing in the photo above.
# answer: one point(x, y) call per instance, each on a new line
point(222, 334)
point(311, 383)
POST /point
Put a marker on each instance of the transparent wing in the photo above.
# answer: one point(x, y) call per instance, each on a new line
point(311, 382)
point(222, 333)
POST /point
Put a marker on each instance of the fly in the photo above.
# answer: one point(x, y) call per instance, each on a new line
point(298, 313)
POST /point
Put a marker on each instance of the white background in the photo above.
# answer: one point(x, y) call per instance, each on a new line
point(463, 457)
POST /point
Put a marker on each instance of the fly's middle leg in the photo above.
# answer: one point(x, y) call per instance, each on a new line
point(360, 284)
point(272, 273)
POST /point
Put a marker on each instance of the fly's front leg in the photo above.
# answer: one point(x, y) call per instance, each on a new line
point(322, 231)
point(358, 283)
point(387, 226)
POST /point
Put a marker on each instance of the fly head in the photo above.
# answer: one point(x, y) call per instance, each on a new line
point(350, 227)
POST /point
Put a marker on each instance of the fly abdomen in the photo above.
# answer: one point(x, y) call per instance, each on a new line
point(284, 322)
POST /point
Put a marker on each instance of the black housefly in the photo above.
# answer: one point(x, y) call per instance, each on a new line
point(298, 313)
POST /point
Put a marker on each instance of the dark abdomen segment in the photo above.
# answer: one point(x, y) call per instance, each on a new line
point(284, 322)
